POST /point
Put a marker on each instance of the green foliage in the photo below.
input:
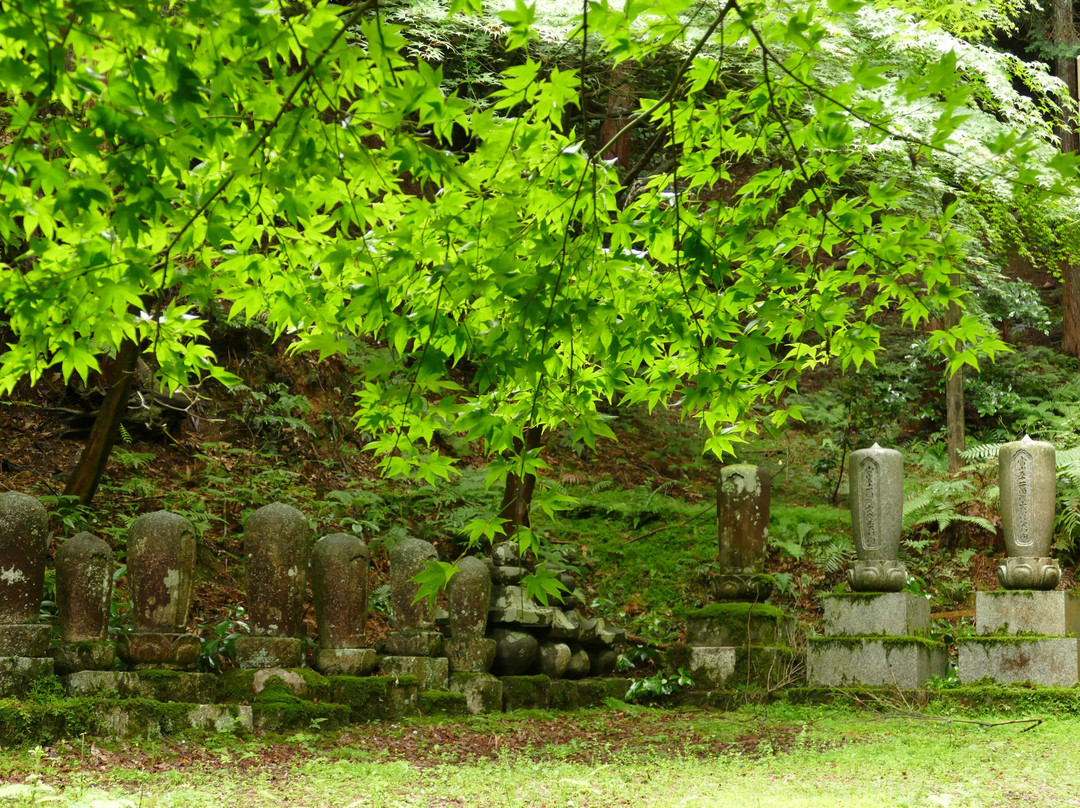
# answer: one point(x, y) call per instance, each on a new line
point(651, 689)
point(937, 504)
point(432, 580)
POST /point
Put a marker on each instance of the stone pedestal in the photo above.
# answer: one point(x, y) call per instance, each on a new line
point(470, 654)
point(345, 661)
point(82, 656)
point(413, 642)
point(156, 649)
point(738, 644)
point(433, 672)
point(269, 652)
point(483, 692)
point(1022, 638)
point(875, 639)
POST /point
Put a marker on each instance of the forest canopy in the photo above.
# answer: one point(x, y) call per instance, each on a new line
point(512, 219)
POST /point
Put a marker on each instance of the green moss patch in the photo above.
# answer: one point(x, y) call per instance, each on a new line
point(526, 692)
point(735, 612)
point(443, 702)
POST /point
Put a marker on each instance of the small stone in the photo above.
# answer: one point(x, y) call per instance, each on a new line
point(509, 575)
point(565, 625)
point(339, 583)
point(579, 663)
point(293, 680)
point(277, 547)
point(554, 659)
point(409, 558)
point(515, 652)
point(511, 604)
point(469, 654)
point(602, 661)
point(84, 572)
point(469, 596)
point(589, 627)
point(24, 541)
point(269, 652)
point(505, 554)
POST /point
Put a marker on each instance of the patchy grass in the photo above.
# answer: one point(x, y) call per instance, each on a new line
point(785, 755)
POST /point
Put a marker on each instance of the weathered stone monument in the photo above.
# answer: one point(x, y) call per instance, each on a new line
point(161, 581)
point(339, 583)
point(84, 574)
point(414, 645)
point(1026, 632)
point(469, 653)
point(876, 635)
point(24, 541)
point(277, 548)
point(739, 639)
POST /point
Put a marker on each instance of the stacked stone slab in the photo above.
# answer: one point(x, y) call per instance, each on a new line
point(414, 645)
point(876, 635)
point(1026, 632)
point(161, 581)
point(84, 574)
point(739, 640)
point(469, 653)
point(277, 549)
point(339, 582)
point(24, 640)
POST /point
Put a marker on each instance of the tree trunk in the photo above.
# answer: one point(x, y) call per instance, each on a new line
point(517, 495)
point(954, 403)
point(84, 480)
point(1062, 36)
point(1070, 305)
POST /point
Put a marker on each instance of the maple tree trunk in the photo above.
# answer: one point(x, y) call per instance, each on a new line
point(517, 495)
point(84, 480)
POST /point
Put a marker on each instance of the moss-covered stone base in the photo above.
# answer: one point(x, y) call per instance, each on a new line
point(526, 692)
point(483, 692)
point(21, 676)
point(564, 695)
point(28, 723)
point(375, 698)
point(443, 702)
point(734, 624)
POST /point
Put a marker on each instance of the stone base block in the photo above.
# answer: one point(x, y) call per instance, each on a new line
point(20, 676)
point(156, 650)
point(163, 685)
point(443, 702)
point(433, 673)
point(903, 662)
point(269, 652)
point(899, 614)
point(564, 695)
point(726, 624)
point(483, 692)
point(526, 692)
point(24, 639)
point(245, 684)
point(102, 684)
point(344, 661)
point(276, 715)
point(876, 576)
point(711, 667)
point(413, 643)
point(1039, 660)
point(1029, 611)
point(592, 692)
point(371, 698)
point(616, 688)
point(82, 656)
point(469, 654)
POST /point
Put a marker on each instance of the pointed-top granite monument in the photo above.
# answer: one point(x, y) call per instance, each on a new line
point(876, 480)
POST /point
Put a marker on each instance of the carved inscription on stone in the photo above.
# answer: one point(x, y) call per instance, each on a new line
point(1023, 471)
point(868, 471)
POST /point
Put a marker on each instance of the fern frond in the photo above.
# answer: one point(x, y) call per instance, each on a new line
point(981, 453)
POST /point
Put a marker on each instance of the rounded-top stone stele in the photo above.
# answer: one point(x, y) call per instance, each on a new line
point(161, 571)
point(469, 596)
point(277, 548)
point(876, 494)
point(24, 542)
point(339, 584)
point(84, 573)
point(409, 558)
point(1027, 481)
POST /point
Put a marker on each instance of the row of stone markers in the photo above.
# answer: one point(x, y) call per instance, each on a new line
point(538, 651)
point(878, 635)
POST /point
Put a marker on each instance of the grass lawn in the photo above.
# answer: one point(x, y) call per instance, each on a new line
point(786, 756)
